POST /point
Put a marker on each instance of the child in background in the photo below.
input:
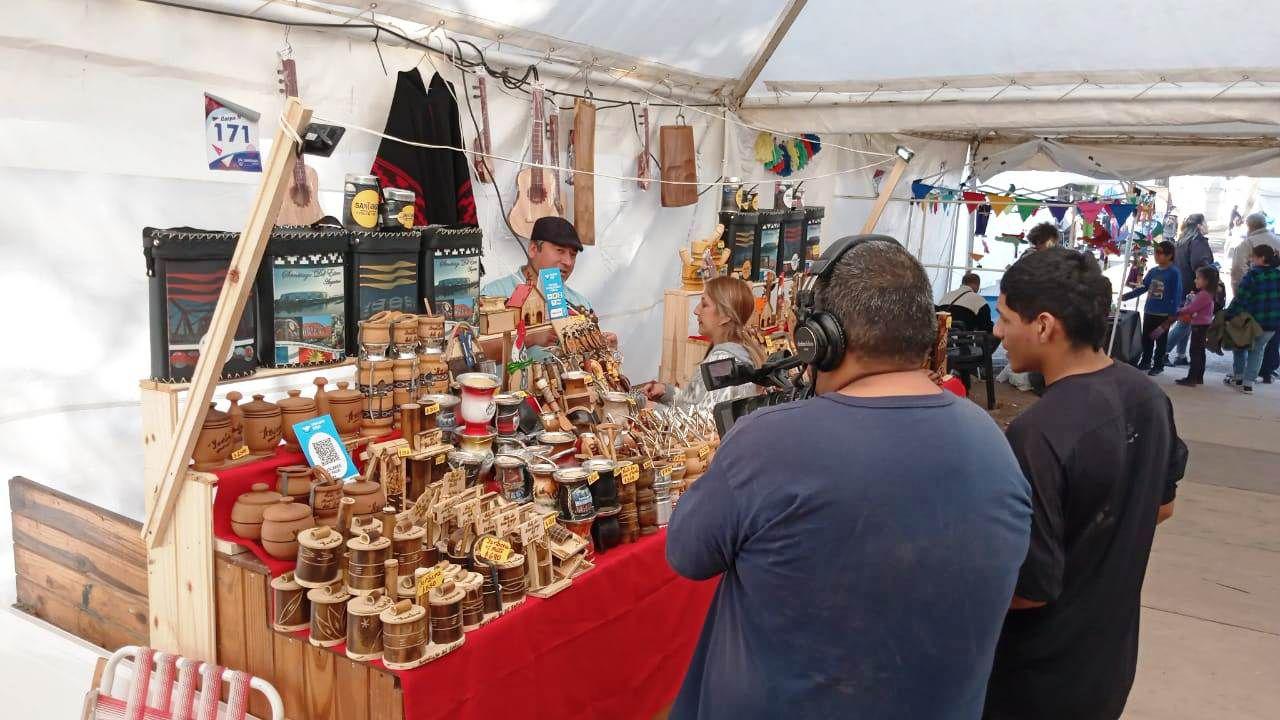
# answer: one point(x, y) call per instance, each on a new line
point(1198, 313)
point(1163, 287)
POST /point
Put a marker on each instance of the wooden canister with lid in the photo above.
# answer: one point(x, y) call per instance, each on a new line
point(364, 625)
point(328, 615)
point(366, 555)
point(290, 609)
point(446, 613)
point(319, 557)
point(404, 636)
point(406, 545)
point(472, 601)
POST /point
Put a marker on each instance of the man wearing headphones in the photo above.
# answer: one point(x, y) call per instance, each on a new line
point(869, 538)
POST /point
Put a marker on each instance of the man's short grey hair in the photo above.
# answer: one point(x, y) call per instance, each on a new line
point(1256, 221)
point(883, 299)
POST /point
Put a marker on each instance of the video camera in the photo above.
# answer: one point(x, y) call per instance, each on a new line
point(775, 375)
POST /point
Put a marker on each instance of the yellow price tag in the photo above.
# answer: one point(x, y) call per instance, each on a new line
point(629, 474)
point(432, 578)
point(548, 521)
point(493, 549)
point(404, 452)
point(592, 477)
point(242, 451)
point(648, 465)
point(591, 379)
point(665, 472)
point(427, 438)
point(704, 452)
point(431, 409)
point(440, 459)
point(520, 394)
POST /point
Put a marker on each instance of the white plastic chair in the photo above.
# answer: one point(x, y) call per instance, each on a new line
point(153, 693)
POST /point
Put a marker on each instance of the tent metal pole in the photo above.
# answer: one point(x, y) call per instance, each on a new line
point(1124, 275)
point(779, 31)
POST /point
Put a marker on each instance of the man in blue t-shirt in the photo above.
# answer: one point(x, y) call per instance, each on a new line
point(867, 539)
point(1163, 286)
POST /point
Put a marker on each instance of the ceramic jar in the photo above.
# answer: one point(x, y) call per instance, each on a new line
point(507, 419)
point(236, 413)
point(617, 406)
point(345, 409)
point(433, 371)
point(443, 416)
point(295, 409)
point(431, 328)
point(509, 472)
point(281, 524)
point(246, 514)
point(604, 490)
point(544, 484)
point(213, 447)
point(369, 496)
point(263, 426)
point(470, 462)
point(294, 481)
point(478, 406)
point(573, 496)
point(375, 334)
point(560, 442)
point(326, 495)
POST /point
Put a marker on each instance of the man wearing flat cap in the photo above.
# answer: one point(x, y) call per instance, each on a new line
point(553, 243)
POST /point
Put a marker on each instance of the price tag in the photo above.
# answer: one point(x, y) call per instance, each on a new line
point(493, 549)
point(242, 451)
point(591, 379)
point(665, 473)
point(629, 474)
point(432, 578)
point(427, 438)
point(592, 477)
point(440, 458)
point(431, 409)
point(647, 465)
point(704, 452)
point(404, 452)
point(548, 521)
point(520, 394)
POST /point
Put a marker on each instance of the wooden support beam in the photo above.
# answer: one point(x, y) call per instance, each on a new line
point(231, 303)
point(779, 31)
point(886, 191)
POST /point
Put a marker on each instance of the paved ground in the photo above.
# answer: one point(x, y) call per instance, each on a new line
point(1210, 643)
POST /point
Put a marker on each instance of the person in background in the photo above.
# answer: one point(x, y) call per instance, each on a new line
point(1198, 313)
point(1259, 295)
point(967, 306)
point(553, 242)
point(1240, 264)
point(842, 594)
point(1191, 253)
point(1044, 235)
point(1103, 456)
point(1163, 287)
point(1235, 222)
point(723, 312)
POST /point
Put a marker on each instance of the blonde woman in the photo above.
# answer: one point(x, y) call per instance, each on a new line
point(723, 312)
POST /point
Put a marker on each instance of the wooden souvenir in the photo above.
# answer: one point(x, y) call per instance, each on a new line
point(364, 626)
point(365, 569)
point(290, 609)
point(321, 398)
point(433, 371)
point(406, 545)
point(376, 331)
point(236, 414)
point(246, 513)
point(295, 409)
point(326, 492)
point(263, 426)
point(294, 481)
point(431, 328)
point(369, 499)
point(446, 613)
point(328, 615)
point(425, 467)
point(345, 506)
point(345, 409)
point(281, 524)
point(404, 331)
point(319, 557)
point(410, 422)
point(472, 601)
point(511, 580)
point(214, 446)
point(404, 635)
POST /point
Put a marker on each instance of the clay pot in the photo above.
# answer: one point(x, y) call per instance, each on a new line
point(694, 465)
point(326, 495)
point(262, 426)
point(214, 445)
point(321, 398)
point(281, 524)
point(404, 331)
point(344, 407)
point(375, 333)
point(369, 496)
point(294, 481)
point(246, 514)
point(237, 418)
point(430, 328)
point(295, 409)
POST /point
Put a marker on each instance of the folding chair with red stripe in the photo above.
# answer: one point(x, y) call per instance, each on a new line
point(153, 693)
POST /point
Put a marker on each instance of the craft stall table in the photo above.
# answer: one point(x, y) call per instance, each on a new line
point(615, 644)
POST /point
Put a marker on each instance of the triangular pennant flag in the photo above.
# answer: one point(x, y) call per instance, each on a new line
point(980, 220)
point(1027, 207)
point(1059, 212)
point(919, 189)
point(1122, 211)
point(999, 203)
point(1158, 230)
point(1089, 210)
point(973, 199)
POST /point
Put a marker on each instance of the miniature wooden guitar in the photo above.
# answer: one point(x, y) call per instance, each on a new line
point(483, 143)
point(553, 137)
point(537, 191)
point(301, 204)
point(642, 160)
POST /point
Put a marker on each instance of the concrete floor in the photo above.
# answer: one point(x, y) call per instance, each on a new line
point(1210, 643)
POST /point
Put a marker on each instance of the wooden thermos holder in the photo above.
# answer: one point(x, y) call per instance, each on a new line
point(364, 625)
point(290, 609)
point(328, 615)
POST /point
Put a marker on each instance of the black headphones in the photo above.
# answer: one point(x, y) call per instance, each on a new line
point(820, 338)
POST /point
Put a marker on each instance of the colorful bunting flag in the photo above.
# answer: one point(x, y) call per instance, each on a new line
point(1059, 212)
point(980, 220)
point(1027, 207)
point(1122, 211)
point(973, 199)
point(919, 190)
point(1089, 209)
point(999, 203)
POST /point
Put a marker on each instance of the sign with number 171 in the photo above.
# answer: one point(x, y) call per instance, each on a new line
point(231, 136)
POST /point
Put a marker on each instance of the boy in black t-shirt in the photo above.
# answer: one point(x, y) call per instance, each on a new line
point(1103, 457)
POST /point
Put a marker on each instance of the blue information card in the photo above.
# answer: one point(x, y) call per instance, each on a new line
point(323, 448)
point(553, 293)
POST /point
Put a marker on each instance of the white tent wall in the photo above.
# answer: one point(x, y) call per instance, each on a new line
point(930, 236)
point(102, 135)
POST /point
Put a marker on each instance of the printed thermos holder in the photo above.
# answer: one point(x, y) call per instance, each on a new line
point(450, 269)
point(768, 241)
point(186, 268)
point(382, 274)
point(302, 281)
point(813, 231)
point(743, 241)
point(791, 249)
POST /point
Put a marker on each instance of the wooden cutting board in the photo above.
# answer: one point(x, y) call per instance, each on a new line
point(679, 164)
point(584, 163)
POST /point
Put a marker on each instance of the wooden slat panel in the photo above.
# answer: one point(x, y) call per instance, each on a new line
point(258, 642)
point(47, 606)
point(93, 525)
point(291, 676)
point(231, 616)
point(103, 602)
point(95, 563)
point(385, 702)
point(321, 684)
point(352, 689)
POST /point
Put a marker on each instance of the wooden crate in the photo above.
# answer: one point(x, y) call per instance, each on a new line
point(78, 566)
point(315, 683)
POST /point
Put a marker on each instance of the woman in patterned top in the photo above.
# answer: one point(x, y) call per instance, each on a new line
point(1258, 295)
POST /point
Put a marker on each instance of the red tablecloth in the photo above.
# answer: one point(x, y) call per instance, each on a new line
point(615, 644)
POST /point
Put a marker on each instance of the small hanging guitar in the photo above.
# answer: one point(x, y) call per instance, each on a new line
point(483, 142)
point(537, 191)
point(301, 204)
